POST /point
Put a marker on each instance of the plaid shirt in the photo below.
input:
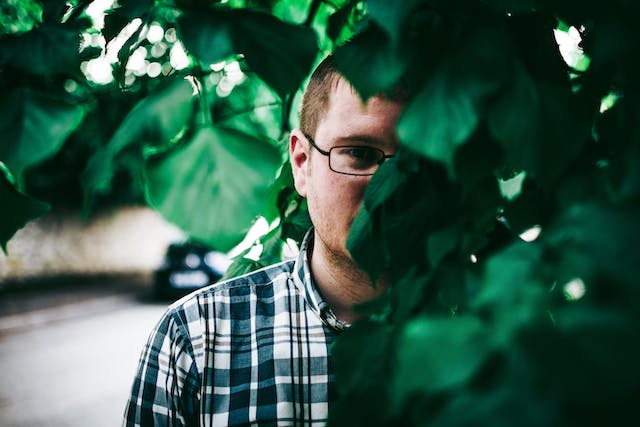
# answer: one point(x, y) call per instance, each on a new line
point(249, 351)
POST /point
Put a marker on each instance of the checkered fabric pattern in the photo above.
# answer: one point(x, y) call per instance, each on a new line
point(249, 351)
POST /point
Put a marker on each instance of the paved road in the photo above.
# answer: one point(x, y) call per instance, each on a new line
point(72, 364)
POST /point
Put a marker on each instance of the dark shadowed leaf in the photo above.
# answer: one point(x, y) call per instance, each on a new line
point(114, 22)
point(438, 354)
point(515, 288)
point(268, 44)
point(34, 126)
point(214, 186)
point(392, 16)
point(18, 208)
point(518, 6)
point(366, 344)
point(369, 62)
point(338, 20)
point(271, 46)
point(208, 36)
point(448, 110)
point(47, 49)
point(53, 10)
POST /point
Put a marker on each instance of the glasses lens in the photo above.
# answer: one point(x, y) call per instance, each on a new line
point(357, 160)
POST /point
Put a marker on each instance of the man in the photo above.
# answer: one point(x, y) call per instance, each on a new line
point(255, 350)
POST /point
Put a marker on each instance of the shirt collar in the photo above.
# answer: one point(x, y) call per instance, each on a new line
point(304, 281)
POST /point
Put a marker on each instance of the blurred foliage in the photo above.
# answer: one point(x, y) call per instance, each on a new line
point(482, 326)
point(506, 223)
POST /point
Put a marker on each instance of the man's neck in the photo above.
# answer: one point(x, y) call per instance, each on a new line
point(341, 282)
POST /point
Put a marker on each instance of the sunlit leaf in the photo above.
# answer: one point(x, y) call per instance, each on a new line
point(18, 208)
point(34, 127)
point(215, 185)
point(252, 107)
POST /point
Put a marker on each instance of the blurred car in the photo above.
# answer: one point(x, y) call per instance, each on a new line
point(188, 266)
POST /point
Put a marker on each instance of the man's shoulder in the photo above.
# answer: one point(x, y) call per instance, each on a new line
point(275, 274)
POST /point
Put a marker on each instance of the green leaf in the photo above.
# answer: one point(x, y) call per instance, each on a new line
point(514, 290)
point(406, 193)
point(269, 45)
point(34, 127)
point(583, 234)
point(45, 50)
point(53, 10)
point(156, 119)
point(369, 63)
point(392, 16)
point(207, 35)
point(518, 6)
point(134, 8)
point(451, 106)
point(365, 241)
point(252, 107)
point(339, 19)
point(437, 355)
point(114, 22)
point(213, 187)
point(362, 357)
point(272, 46)
point(442, 242)
point(18, 208)
point(538, 125)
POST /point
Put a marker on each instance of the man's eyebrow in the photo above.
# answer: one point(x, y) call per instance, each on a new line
point(360, 139)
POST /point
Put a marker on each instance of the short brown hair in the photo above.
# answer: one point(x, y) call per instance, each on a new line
point(315, 101)
point(316, 98)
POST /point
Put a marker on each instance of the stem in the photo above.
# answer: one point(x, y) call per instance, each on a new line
point(287, 105)
point(313, 10)
point(205, 111)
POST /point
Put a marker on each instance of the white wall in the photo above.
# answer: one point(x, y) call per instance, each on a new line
point(128, 240)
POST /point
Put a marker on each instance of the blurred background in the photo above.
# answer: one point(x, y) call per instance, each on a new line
point(76, 304)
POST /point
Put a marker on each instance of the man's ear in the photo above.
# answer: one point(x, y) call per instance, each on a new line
point(299, 155)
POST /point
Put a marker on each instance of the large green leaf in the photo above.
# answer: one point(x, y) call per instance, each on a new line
point(272, 46)
point(253, 108)
point(539, 130)
point(156, 119)
point(45, 50)
point(279, 52)
point(438, 354)
point(392, 16)
point(366, 344)
point(215, 185)
point(34, 126)
point(17, 208)
point(207, 35)
point(369, 62)
point(451, 106)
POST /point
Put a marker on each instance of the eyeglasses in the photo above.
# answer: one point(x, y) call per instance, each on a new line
point(358, 160)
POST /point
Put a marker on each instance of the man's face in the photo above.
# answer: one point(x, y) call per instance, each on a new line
point(334, 199)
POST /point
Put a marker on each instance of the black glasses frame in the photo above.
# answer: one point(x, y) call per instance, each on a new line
point(328, 154)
